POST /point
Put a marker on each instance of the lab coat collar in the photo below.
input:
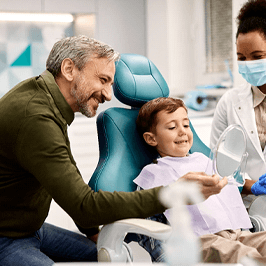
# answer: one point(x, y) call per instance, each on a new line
point(258, 96)
point(245, 110)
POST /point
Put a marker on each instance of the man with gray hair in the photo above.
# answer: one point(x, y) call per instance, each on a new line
point(36, 164)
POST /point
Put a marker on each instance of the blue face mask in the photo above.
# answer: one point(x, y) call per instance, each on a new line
point(254, 72)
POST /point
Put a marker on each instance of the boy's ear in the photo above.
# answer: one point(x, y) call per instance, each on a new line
point(150, 138)
point(67, 69)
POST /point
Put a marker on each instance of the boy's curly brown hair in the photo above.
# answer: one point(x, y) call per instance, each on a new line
point(147, 117)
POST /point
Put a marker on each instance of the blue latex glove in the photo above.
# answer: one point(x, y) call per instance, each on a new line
point(259, 187)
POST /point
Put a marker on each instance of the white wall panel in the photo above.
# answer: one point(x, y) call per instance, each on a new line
point(60, 6)
point(236, 5)
point(121, 23)
point(21, 6)
point(84, 144)
point(170, 42)
point(69, 6)
point(157, 35)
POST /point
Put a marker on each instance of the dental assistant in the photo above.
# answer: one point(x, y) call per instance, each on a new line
point(246, 105)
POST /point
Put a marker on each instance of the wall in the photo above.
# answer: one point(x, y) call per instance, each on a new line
point(83, 6)
point(157, 35)
point(170, 42)
point(236, 5)
point(120, 23)
point(201, 77)
point(176, 43)
point(169, 32)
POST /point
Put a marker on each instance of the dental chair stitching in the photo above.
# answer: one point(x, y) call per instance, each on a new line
point(155, 78)
point(121, 135)
point(108, 154)
point(107, 157)
point(133, 99)
point(124, 139)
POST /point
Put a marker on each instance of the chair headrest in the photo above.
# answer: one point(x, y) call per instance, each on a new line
point(137, 81)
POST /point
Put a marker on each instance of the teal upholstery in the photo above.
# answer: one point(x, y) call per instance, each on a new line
point(123, 152)
point(198, 145)
point(137, 80)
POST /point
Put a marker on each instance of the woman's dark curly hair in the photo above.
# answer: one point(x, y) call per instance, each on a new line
point(252, 17)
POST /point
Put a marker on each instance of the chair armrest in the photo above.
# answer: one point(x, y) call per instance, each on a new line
point(257, 213)
point(110, 241)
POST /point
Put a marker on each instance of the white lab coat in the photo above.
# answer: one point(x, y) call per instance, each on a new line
point(236, 107)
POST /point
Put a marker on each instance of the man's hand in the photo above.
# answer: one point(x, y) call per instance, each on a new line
point(209, 185)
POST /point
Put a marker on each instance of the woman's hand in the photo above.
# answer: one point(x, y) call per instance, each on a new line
point(259, 187)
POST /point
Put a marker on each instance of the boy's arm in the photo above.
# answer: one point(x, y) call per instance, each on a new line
point(153, 175)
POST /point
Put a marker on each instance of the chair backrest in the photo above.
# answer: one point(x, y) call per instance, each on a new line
point(198, 145)
point(123, 152)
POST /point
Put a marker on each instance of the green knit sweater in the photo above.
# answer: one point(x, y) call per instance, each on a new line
point(36, 165)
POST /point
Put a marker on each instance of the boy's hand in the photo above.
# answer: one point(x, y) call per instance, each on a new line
point(210, 185)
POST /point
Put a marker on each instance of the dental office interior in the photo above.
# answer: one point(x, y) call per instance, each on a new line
point(192, 43)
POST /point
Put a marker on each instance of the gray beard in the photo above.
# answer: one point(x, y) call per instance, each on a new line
point(82, 107)
point(85, 110)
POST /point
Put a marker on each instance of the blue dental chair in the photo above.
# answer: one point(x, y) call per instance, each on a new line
point(123, 152)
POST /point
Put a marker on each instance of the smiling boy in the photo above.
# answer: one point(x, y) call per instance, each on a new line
point(164, 125)
point(172, 136)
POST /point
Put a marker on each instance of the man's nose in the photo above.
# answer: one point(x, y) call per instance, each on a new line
point(107, 93)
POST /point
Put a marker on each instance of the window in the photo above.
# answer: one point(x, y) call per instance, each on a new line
point(25, 45)
point(219, 44)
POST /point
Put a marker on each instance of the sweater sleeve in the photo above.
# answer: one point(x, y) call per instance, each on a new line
point(42, 150)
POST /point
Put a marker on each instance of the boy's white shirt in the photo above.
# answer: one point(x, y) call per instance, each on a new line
point(219, 212)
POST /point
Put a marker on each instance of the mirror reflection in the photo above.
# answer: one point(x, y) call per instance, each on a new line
point(229, 155)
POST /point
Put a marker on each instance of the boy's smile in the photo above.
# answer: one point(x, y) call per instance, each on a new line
point(172, 136)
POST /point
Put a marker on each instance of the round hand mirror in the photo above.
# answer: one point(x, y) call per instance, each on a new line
point(229, 156)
